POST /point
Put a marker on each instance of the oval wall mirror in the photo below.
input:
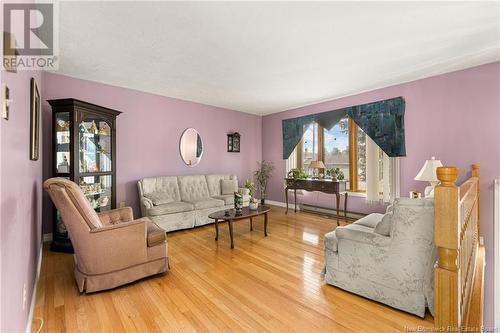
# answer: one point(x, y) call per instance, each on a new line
point(191, 147)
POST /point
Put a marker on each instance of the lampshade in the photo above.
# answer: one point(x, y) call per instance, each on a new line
point(428, 171)
point(317, 165)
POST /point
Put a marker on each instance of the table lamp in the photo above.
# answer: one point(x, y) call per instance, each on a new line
point(428, 174)
point(316, 165)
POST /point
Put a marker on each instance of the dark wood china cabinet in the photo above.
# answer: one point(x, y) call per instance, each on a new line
point(84, 151)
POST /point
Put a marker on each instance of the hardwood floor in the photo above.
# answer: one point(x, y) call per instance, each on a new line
point(266, 284)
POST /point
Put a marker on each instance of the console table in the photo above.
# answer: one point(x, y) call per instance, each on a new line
point(320, 185)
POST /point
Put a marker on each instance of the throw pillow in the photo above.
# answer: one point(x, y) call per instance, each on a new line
point(370, 220)
point(384, 226)
point(159, 198)
point(229, 186)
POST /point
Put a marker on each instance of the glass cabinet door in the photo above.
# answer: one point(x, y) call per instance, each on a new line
point(98, 191)
point(95, 146)
point(63, 140)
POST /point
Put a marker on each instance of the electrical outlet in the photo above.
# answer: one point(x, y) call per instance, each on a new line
point(25, 296)
point(481, 241)
point(121, 204)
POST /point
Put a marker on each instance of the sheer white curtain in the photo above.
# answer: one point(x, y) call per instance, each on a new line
point(389, 184)
point(291, 162)
point(372, 171)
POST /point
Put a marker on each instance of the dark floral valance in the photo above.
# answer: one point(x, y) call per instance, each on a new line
point(382, 121)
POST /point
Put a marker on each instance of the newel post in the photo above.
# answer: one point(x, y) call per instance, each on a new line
point(446, 237)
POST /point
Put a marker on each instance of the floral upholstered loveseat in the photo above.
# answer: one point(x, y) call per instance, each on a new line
point(181, 202)
point(388, 257)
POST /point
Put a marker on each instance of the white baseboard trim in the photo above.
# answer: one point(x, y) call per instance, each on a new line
point(331, 211)
point(47, 237)
point(35, 285)
point(281, 204)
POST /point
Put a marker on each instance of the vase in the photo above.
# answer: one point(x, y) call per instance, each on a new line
point(253, 205)
point(238, 203)
point(262, 201)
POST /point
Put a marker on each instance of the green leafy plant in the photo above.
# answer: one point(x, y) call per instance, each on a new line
point(262, 176)
point(297, 173)
point(339, 174)
point(250, 186)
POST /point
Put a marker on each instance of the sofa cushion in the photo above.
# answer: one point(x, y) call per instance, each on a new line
point(206, 203)
point(159, 198)
point(170, 208)
point(228, 198)
point(229, 186)
point(370, 220)
point(167, 186)
point(156, 235)
point(193, 188)
point(214, 183)
point(385, 225)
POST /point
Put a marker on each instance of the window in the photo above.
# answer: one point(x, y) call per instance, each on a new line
point(336, 147)
point(344, 146)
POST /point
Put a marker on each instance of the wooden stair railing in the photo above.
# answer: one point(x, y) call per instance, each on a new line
point(458, 276)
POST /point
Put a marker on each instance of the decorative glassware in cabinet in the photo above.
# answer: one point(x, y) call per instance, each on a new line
point(95, 146)
point(63, 140)
point(98, 191)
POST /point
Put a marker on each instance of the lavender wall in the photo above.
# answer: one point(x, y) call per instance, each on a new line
point(21, 205)
point(149, 130)
point(454, 116)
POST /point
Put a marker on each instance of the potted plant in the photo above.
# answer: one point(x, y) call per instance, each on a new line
point(254, 204)
point(297, 173)
point(262, 176)
point(249, 185)
point(335, 174)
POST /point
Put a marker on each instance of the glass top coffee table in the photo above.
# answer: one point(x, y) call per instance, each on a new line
point(230, 215)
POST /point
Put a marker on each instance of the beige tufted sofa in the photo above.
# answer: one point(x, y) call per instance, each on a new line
point(181, 202)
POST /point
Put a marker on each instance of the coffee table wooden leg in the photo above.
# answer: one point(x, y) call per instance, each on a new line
point(230, 223)
point(265, 224)
point(216, 229)
point(251, 224)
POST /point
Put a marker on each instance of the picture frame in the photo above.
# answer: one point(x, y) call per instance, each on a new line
point(35, 105)
point(233, 142)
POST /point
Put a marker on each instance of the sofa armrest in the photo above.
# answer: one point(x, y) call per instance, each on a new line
point(146, 203)
point(115, 216)
point(360, 236)
point(125, 245)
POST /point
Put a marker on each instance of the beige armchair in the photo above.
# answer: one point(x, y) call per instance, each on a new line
point(111, 248)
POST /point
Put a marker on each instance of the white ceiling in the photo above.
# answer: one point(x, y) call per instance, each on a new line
point(266, 57)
